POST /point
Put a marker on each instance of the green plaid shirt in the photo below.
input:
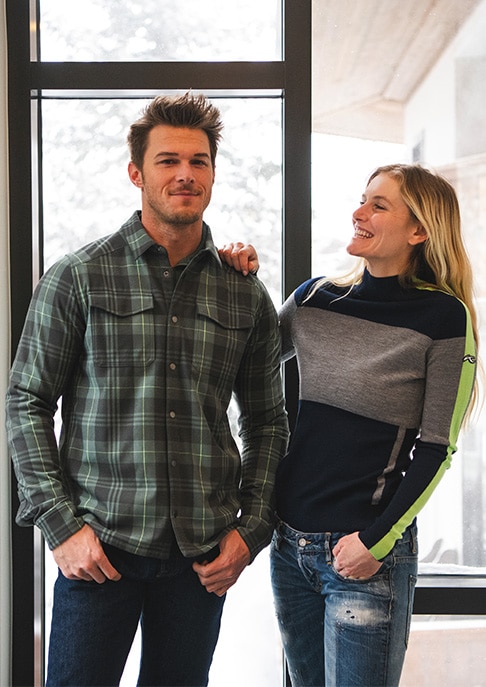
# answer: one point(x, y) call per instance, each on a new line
point(146, 374)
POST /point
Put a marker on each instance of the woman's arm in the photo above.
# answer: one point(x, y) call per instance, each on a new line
point(451, 367)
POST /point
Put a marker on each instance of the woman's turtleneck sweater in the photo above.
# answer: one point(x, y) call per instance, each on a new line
point(386, 374)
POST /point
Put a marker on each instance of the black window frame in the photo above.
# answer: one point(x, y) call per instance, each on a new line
point(27, 79)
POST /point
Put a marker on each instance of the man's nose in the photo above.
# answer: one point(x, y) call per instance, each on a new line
point(185, 173)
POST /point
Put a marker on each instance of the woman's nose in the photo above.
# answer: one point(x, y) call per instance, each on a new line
point(359, 213)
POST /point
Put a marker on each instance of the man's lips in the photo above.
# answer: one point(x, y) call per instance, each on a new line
point(184, 192)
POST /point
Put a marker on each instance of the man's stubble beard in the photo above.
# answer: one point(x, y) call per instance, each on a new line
point(176, 218)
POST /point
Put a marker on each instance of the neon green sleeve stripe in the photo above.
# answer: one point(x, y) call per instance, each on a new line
point(464, 391)
point(385, 545)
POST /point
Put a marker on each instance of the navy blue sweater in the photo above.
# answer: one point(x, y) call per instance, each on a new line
point(386, 374)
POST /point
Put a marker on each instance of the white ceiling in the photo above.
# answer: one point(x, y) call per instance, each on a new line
point(370, 55)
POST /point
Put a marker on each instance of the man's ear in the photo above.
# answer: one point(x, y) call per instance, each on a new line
point(419, 236)
point(135, 175)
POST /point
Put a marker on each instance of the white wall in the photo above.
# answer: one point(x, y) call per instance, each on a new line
point(431, 114)
point(5, 553)
point(432, 108)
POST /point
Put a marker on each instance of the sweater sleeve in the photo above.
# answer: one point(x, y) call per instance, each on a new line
point(286, 315)
point(451, 368)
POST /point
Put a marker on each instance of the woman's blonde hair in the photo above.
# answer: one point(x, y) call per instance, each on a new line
point(441, 262)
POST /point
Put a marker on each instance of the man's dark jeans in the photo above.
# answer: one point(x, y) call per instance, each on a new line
point(93, 625)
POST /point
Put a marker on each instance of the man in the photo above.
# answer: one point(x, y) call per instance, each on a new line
point(148, 508)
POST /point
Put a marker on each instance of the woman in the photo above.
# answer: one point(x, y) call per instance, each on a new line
point(387, 367)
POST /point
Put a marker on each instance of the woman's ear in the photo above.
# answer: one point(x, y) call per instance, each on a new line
point(418, 236)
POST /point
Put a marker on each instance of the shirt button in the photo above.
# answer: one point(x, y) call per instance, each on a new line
point(166, 273)
point(174, 318)
point(302, 541)
point(172, 366)
point(172, 414)
point(173, 463)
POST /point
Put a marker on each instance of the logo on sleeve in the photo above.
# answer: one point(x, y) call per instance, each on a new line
point(469, 359)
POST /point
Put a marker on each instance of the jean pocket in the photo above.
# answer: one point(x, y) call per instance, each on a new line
point(276, 540)
point(382, 572)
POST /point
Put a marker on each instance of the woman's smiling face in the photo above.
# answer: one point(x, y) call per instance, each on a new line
point(385, 231)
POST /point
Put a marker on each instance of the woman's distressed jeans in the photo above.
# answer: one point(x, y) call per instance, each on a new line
point(341, 632)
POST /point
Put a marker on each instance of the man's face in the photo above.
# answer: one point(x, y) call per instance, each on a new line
point(177, 176)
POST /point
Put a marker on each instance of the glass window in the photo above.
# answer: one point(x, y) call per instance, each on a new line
point(337, 186)
point(127, 30)
point(86, 195)
point(83, 192)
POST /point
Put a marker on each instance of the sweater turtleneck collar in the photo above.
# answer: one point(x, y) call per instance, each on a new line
point(380, 288)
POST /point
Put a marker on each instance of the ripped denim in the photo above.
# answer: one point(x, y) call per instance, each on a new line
point(341, 632)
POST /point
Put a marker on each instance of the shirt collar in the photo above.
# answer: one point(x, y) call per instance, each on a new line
point(139, 241)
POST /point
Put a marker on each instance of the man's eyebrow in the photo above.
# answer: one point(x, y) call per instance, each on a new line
point(172, 154)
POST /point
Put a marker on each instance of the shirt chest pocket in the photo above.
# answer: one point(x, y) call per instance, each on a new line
point(121, 329)
point(220, 339)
